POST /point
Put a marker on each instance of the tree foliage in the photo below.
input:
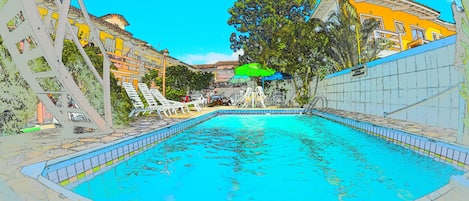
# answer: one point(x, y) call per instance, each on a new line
point(303, 46)
point(346, 35)
point(84, 77)
point(17, 102)
point(179, 81)
point(282, 35)
point(258, 22)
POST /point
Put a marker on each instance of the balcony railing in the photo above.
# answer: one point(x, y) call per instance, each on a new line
point(129, 64)
point(393, 38)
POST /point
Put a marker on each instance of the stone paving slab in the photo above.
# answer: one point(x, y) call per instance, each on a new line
point(442, 134)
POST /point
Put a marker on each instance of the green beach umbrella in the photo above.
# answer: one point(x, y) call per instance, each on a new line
point(254, 70)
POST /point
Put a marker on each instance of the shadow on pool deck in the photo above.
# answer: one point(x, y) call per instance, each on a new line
point(25, 149)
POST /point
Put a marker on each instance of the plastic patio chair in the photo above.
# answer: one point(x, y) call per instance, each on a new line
point(260, 96)
point(246, 98)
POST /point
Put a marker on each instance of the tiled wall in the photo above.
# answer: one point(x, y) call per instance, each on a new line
point(440, 151)
point(70, 171)
point(403, 79)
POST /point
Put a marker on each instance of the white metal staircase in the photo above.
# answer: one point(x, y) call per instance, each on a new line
point(27, 38)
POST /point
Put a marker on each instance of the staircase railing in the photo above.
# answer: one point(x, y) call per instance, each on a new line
point(27, 38)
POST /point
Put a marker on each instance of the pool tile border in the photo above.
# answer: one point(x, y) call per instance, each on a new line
point(438, 150)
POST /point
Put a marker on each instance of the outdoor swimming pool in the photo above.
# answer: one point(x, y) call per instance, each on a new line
point(271, 157)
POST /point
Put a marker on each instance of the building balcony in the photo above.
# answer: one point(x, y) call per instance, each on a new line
point(391, 40)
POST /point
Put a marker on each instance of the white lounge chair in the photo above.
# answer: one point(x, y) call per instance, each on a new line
point(171, 108)
point(197, 103)
point(139, 107)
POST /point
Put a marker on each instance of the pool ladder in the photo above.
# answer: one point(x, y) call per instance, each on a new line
point(309, 109)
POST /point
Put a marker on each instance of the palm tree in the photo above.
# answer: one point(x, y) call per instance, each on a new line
point(349, 39)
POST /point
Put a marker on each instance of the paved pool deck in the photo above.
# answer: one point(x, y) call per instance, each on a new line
point(17, 151)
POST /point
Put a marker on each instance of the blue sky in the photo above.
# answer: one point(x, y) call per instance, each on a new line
point(444, 6)
point(195, 32)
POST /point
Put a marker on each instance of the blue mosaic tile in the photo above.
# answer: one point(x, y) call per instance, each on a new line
point(432, 147)
point(101, 159)
point(79, 167)
point(108, 156)
point(87, 164)
point(413, 142)
point(120, 151)
point(444, 151)
point(450, 154)
point(53, 176)
point(62, 174)
point(71, 171)
point(462, 157)
point(94, 161)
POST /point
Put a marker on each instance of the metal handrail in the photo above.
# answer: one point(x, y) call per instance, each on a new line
point(314, 102)
point(423, 100)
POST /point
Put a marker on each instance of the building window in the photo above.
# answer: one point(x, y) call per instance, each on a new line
point(400, 28)
point(417, 33)
point(110, 45)
point(436, 36)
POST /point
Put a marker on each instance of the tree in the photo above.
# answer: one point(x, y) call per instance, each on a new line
point(303, 46)
point(17, 102)
point(179, 81)
point(258, 22)
point(201, 80)
point(83, 76)
point(348, 38)
point(280, 35)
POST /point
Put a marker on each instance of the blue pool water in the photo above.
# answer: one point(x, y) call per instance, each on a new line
point(271, 157)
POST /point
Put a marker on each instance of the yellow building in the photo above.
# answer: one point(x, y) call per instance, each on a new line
point(132, 57)
point(405, 23)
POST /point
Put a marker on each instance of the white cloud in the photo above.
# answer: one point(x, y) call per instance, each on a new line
point(210, 58)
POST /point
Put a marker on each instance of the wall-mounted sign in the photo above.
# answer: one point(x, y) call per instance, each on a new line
point(358, 71)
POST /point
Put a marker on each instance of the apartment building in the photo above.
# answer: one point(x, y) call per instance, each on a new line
point(133, 57)
point(405, 23)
